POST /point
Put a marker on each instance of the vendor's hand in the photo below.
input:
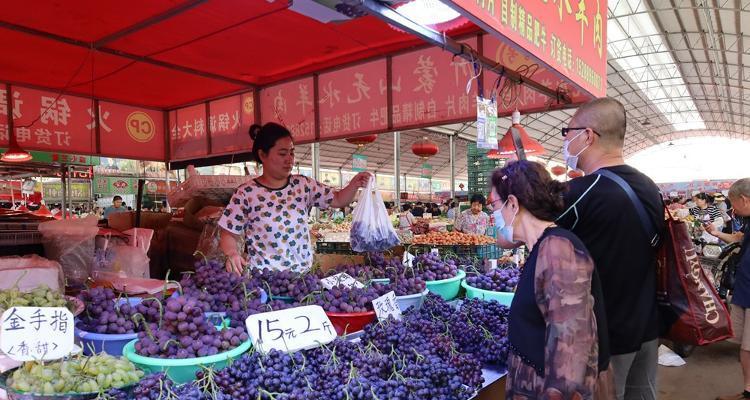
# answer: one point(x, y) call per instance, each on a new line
point(236, 263)
point(361, 179)
point(711, 229)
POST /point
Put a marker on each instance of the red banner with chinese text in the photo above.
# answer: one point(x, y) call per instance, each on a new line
point(429, 88)
point(567, 35)
point(291, 104)
point(353, 100)
point(131, 132)
point(44, 121)
point(187, 129)
point(230, 122)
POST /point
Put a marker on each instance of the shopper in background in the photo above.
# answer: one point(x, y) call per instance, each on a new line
point(117, 207)
point(704, 211)
point(453, 210)
point(601, 213)
point(268, 216)
point(435, 210)
point(739, 196)
point(406, 218)
point(557, 324)
point(418, 210)
point(473, 220)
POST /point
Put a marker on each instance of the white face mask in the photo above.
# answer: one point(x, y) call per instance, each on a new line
point(503, 229)
point(572, 160)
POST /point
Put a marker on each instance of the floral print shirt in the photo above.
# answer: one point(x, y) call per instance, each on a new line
point(468, 222)
point(274, 221)
point(563, 294)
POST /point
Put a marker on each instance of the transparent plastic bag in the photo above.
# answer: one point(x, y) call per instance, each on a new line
point(372, 230)
point(71, 243)
point(208, 244)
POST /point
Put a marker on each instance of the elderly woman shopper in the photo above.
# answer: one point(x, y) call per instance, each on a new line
point(557, 329)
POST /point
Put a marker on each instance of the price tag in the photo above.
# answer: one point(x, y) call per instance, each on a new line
point(435, 252)
point(386, 306)
point(408, 259)
point(293, 329)
point(493, 264)
point(36, 333)
point(342, 279)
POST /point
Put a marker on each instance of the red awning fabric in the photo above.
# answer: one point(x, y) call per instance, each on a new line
point(168, 53)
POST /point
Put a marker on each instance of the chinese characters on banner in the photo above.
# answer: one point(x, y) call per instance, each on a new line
point(292, 105)
point(36, 333)
point(130, 132)
point(62, 123)
point(229, 123)
point(567, 35)
point(290, 330)
point(353, 100)
point(359, 163)
point(429, 88)
point(187, 132)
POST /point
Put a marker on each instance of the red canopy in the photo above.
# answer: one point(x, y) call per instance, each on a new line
point(167, 53)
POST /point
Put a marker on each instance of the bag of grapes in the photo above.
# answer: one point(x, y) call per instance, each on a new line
point(371, 230)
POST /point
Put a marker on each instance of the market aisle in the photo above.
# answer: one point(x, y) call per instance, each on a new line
point(710, 371)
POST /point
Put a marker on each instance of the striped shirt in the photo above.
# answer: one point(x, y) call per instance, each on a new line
point(711, 212)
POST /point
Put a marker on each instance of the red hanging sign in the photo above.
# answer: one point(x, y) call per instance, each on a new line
point(229, 123)
point(353, 100)
point(429, 88)
point(291, 104)
point(566, 35)
point(131, 132)
point(44, 121)
point(187, 130)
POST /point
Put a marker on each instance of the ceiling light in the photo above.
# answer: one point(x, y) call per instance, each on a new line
point(432, 13)
point(15, 154)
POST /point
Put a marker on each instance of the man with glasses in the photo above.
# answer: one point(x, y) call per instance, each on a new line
point(600, 211)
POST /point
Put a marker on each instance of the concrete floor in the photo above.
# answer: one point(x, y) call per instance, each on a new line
point(710, 371)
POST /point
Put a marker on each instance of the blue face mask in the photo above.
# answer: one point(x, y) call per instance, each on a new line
point(503, 230)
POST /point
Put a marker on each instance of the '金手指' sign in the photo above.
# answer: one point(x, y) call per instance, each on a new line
point(36, 333)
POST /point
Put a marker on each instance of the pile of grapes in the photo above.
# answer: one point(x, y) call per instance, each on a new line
point(348, 300)
point(77, 375)
point(41, 296)
point(185, 332)
point(158, 387)
point(285, 283)
point(432, 268)
point(103, 314)
point(217, 289)
point(366, 237)
point(496, 280)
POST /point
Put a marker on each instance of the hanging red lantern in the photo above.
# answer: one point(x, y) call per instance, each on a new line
point(362, 141)
point(574, 173)
point(506, 147)
point(558, 170)
point(424, 148)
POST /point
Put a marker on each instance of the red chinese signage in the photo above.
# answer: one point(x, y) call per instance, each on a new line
point(46, 121)
point(187, 132)
point(230, 122)
point(567, 35)
point(429, 88)
point(353, 100)
point(291, 104)
point(130, 132)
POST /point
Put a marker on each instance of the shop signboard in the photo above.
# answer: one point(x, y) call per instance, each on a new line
point(359, 163)
point(426, 171)
point(61, 158)
point(188, 132)
point(79, 191)
point(131, 132)
point(156, 169)
point(117, 167)
point(353, 100)
point(569, 36)
point(291, 104)
point(429, 87)
point(229, 121)
point(115, 185)
point(156, 187)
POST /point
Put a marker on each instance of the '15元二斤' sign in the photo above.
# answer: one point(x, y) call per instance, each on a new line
point(293, 329)
point(36, 333)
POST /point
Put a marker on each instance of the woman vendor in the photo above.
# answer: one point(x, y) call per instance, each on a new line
point(270, 212)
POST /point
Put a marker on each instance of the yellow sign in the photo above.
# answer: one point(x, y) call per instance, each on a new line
point(247, 105)
point(140, 126)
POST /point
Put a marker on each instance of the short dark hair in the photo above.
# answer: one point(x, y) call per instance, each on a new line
point(406, 207)
point(117, 198)
point(535, 189)
point(702, 196)
point(265, 137)
point(477, 198)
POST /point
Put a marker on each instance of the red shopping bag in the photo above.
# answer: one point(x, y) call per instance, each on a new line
point(687, 300)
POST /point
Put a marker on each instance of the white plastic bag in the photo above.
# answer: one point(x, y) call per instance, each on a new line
point(71, 243)
point(372, 230)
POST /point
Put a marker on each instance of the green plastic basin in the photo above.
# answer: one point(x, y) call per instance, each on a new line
point(503, 298)
point(447, 288)
point(182, 370)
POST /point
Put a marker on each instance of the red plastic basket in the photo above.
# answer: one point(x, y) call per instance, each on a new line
point(347, 323)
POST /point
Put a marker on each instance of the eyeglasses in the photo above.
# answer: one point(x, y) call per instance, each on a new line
point(566, 130)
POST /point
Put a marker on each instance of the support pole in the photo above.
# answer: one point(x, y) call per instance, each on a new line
point(315, 173)
point(397, 169)
point(64, 187)
point(452, 155)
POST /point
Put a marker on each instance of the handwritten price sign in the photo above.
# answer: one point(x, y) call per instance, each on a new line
point(290, 330)
point(36, 333)
point(386, 306)
point(342, 279)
